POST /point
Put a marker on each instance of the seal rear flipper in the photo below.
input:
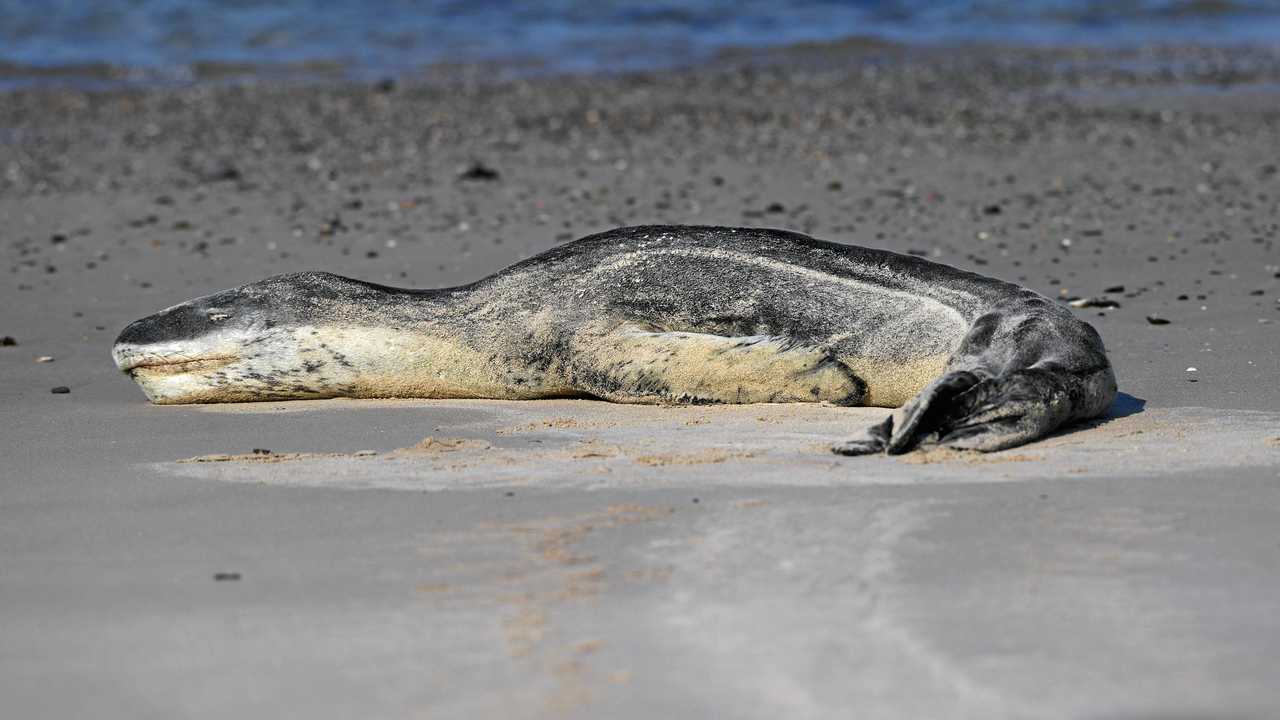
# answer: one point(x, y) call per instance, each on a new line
point(917, 419)
point(633, 365)
point(961, 411)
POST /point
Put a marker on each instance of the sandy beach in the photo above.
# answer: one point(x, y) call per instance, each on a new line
point(579, 559)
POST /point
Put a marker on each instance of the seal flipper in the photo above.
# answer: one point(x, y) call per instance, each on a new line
point(874, 442)
point(962, 411)
point(1025, 368)
point(918, 418)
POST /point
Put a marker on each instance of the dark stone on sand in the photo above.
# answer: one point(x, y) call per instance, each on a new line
point(479, 172)
point(1153, 320)
point(261, 451)
point(226, 577)
point(775, 207)
point(60, 390)
point(7, 341)
point(1114, 289)
point(57, 238)
point(992, 210)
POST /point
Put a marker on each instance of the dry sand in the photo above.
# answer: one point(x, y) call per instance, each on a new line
point(495, 559)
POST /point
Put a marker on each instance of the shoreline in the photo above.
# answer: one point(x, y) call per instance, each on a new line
point(105, 77)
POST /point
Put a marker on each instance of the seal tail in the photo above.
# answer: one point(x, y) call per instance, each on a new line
point(1016, 378)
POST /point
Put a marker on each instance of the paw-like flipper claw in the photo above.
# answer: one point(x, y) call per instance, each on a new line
point(875, 440)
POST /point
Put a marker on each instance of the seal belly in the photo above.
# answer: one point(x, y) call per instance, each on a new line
point(891, 383)
point(634, 365)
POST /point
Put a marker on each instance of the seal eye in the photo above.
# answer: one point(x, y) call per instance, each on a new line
point(218, 317)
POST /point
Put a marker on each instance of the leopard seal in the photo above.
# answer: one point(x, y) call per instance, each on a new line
point(656, 314)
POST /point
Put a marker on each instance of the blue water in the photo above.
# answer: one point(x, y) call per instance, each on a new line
point(165, 38)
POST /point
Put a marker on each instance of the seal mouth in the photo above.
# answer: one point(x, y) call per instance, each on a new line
point(174, 365)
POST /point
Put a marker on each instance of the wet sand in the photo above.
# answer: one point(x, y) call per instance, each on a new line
point(582, 559)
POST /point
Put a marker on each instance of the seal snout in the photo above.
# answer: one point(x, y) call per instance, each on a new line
point(179, 336)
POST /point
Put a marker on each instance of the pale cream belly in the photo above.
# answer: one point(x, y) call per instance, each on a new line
point(688, 366)
point(624, 364)
point(646, 366)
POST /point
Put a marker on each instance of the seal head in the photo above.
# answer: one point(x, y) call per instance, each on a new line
point(261, 341)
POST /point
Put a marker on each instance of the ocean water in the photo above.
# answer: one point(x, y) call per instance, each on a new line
point(157, 40)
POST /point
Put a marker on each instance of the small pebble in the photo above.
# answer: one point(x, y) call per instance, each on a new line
point(1157, 320)
point(1191, 369)
point(226, 577)
point(479, 172)
point(261, 451)
point(1114, 289)
point(45, 359)
point(8, 341)
point(1093, 302)
point(60, 390)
